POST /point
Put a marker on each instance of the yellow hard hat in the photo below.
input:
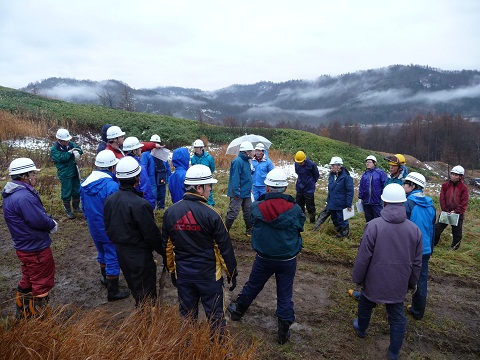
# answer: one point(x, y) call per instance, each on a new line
point(300, 157)
point(397, 159)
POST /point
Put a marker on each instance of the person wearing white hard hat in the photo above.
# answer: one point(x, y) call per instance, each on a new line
point(370, 189)
point(387, 265)
point(65, 154)
point(340, 195)
point(130, 225)
point(453, 200)
point(198, 249)
point(133, 147)
point(262, 165)
point(240, 187)
point(200, 156)
point(94, 190)
point(30, 227)
point(115, 138)
point(158, 170)
point(277, 225)
point(421, 211)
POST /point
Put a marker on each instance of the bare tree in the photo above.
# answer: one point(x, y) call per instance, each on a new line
point(107, 98)
point(127, 100)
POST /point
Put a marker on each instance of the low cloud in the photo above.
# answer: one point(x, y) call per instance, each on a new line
point(66, 92)
point(172, 99)
point(273, 110)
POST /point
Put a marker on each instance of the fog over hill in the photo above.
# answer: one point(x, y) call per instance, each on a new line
point(378, 96)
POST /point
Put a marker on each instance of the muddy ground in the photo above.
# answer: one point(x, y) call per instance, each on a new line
point(324, 311)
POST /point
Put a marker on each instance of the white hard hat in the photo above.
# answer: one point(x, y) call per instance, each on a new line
point(371, 157)
point(114, 132)
point(416, 178)
point(131, 143)
point(199, 175)
point(198, 143)
point(105, 159)
point(336, 161)
point(276, 178)
point(458, 170)
point(394, 193)
point(63, 134)
point(155, 138)
point(127, 168)
point(246, 146)
point(260, 146)
point(21, 166)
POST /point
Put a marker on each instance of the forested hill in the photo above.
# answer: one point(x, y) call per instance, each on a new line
point(378, 96)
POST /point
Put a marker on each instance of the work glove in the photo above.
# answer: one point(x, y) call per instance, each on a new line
point(233, 280)
point(55, 228)
point(76, 153)
point(174, 279)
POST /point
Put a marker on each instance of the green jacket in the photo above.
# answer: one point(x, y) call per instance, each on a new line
point(64, 160)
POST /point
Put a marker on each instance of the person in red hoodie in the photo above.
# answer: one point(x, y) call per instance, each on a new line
point(453, 200)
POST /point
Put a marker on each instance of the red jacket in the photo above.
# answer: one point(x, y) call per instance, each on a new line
point(454, 197)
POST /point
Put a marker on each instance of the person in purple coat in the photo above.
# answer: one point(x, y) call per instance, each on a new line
point(371, 187)
point(30, 227)
point(388, 264)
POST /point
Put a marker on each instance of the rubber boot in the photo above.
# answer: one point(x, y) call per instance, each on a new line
point(283, 331)
point(21, 303)
point(38, 306)
point(114, 292)
point(103, 279)
point(236, 311)
point(68, 210)
point(76, 206)
point(396, 340)
point(312, 218)
point(455, 244)
point(322, 217)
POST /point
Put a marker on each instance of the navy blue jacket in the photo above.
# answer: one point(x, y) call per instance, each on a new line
point(340, 191)
point(307, 177)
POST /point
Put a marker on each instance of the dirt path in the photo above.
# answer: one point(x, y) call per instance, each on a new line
point(324, 312)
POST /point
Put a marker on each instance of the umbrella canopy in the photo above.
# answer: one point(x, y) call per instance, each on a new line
point(234, 146)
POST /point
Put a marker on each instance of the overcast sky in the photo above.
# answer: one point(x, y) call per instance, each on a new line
point(212, 44)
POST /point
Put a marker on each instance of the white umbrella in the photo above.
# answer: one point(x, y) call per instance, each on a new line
point(234, 146)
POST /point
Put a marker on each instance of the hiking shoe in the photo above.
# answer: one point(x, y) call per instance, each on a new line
point(456, 246)
point(249, 232)
point(354, 294)
point(409, 311)
point(360, 334)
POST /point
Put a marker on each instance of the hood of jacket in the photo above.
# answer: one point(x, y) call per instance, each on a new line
point(96, 181)
point(419, 198)
point(394, 213)
point(104, 131)
point(12, 187)
point(181, 158)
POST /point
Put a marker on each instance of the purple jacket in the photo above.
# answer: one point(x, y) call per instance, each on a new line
point(371, 186)
point(26, 218)
point(389, 258)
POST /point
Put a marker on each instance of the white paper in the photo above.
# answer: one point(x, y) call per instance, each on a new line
point(359, 205)
point(162, 153)
point(348, 214)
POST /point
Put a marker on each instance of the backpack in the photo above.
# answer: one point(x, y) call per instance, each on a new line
point(160, 171)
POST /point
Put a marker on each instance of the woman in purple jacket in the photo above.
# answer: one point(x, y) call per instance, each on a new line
point(371, 187)
point(30, 227)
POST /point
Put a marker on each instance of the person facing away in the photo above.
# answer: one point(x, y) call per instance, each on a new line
point(133, 147)
point(398, 169)
point(176, 184)
point(421, 211)
point(340, 195)
point(103, 143)
point(308, 175)
point(65, 154)
point(277, 223)
point(240, 187)
point(371, 187)
point(158, 172)
point(94, 190)
point(30, 227)
point(453, 200)
point(197, 249)
point(388, 264)
point(130, 225)
point(200, 156)
point(262, 165)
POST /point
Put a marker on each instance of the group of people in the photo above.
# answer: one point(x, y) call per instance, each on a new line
point(195, 243)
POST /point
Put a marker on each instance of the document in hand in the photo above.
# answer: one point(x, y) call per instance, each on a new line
point(449, 219)
point(359, 205)
point(348, 214)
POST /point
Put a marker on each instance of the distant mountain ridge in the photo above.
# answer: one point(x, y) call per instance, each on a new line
point(377, 96)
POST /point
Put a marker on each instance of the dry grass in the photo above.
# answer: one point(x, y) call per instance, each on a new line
point(17, 127)
point(157, 333)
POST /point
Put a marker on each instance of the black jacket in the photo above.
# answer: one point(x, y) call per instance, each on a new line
point(196, 241)
point(129, 220)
